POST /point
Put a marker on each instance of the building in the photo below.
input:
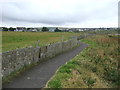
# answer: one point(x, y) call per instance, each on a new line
point(21, 29)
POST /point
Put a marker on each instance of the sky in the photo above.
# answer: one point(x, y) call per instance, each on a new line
point(59, 13)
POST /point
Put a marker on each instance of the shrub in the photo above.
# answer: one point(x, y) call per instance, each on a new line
point(55, 84)
point(90, 81)
point(111, 75)
point(94, 69)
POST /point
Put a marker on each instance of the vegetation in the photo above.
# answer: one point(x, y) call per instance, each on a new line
point(5, 28)
point(11, 29)
point(45, 29)
point(57, 30)
point(95, 67)
point(14, 40)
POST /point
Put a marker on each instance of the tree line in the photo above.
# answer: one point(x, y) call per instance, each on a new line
point(44, 29)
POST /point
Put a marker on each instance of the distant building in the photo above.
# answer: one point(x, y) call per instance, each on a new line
point(21, 29)
point(34, 30)
point(80, 30)
point(51, 29)
point(63, 29)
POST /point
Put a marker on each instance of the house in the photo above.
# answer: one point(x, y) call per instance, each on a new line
point(51, 29)
point(21, 29)
point(34, 30)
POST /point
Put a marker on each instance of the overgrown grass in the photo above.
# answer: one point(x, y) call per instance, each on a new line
point(95, 67)
point(13, 40)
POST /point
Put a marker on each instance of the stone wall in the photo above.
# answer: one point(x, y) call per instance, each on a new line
point(16, 59)
point(0, 71)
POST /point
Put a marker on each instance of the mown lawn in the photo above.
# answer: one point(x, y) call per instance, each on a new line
point(94, 67)
point(14, 40)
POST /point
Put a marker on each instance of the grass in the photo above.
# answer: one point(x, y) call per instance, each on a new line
point(95, 67)
point(14, 40)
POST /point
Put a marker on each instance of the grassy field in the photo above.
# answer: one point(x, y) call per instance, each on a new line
point(95, 67)
point(14, 40)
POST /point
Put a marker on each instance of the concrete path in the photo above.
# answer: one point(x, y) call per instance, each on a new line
point(38, 76)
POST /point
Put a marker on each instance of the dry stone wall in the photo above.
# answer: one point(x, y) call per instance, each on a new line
point(16, 59)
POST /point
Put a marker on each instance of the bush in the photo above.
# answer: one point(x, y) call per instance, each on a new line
point(90, 81)
point(111, 75)
point(55, 84)
point(94, 69)
point(64, 70)
point(45, 29)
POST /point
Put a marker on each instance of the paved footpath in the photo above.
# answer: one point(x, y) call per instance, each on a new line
point(38, 76)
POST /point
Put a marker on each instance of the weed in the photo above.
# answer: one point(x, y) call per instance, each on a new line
point(94, 69)
point(96, 66)
point(65, 70)
point(90, 81)
point(55, 84)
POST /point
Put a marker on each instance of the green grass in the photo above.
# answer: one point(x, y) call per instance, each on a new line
point(14, 40)
point(95, 67)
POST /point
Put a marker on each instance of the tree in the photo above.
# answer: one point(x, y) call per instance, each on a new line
point(45, 29)
point(11, 29)
point(57, 30)
point(4, 28)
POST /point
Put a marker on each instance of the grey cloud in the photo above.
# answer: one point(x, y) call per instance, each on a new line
point(58, 13)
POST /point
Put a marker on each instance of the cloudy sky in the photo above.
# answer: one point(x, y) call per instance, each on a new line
point(64, 13)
